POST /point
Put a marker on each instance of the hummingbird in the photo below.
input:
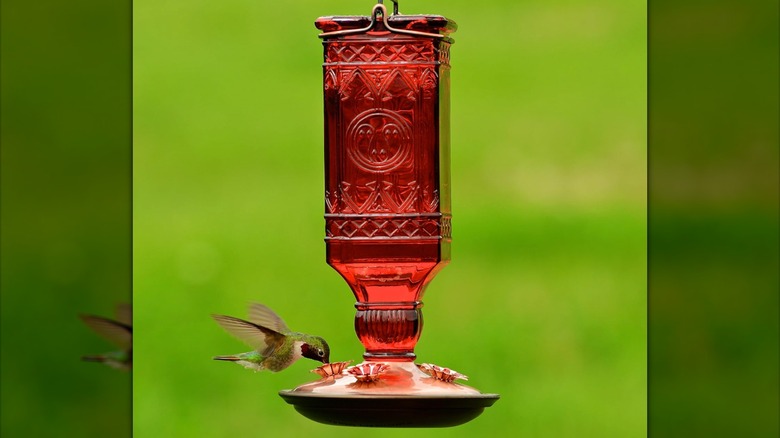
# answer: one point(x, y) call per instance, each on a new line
point(275, 346)
point(119, 332)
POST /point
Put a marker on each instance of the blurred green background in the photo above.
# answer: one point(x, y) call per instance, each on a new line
point(65, 216)
point(544, 301)
point(713, 219)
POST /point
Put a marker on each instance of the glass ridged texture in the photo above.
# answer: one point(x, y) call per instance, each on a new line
point(387, 182)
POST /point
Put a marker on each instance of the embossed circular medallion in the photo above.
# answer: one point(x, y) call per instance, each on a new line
point(379, 140)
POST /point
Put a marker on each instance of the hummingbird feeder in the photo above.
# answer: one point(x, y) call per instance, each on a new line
point(386, 81)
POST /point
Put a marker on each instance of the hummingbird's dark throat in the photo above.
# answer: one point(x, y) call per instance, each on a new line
point(311, 353)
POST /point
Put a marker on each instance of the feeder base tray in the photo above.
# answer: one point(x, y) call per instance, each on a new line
point(389, 410)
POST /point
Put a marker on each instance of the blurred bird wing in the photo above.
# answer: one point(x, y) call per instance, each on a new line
point(114, 331)
point(262, 315)
point(262, 339)
point(124, 313)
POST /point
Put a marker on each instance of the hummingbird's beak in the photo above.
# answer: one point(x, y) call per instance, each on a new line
point(326, 359)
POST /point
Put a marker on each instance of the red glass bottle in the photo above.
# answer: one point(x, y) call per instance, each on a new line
point(387, 161)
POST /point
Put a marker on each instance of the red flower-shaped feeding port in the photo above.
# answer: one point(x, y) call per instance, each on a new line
point(331, 369)
point(368, 372)
point(441, 373)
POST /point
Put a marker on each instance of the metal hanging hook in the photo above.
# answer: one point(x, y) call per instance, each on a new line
point(395, 5)
point(380, 8)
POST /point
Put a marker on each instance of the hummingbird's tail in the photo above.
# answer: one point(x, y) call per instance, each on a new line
point(227, 358)
point(94, 358)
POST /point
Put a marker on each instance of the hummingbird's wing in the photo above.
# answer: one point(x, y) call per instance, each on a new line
point(262, 315)
point(262, 339)
point(114, 331)
point(124, 313)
